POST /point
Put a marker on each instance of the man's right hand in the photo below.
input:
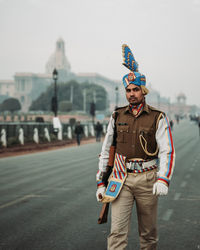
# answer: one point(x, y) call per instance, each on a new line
point(100, 193)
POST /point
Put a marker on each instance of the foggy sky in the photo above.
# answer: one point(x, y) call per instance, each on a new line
point(163, 35)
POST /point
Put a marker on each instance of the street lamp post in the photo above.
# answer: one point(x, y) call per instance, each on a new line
point(54, 99)
point(57, 126)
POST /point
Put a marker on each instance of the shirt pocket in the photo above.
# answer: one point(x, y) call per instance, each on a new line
point(147, 133)
point(122, 132)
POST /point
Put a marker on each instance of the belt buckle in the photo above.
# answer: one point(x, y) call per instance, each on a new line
point(130, 165)
point(137, 166)
point(134, 166)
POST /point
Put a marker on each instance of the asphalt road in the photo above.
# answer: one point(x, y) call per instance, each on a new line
point(47, 199)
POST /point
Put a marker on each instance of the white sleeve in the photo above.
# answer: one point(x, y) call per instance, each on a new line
point(104, 156)
point(166, 151)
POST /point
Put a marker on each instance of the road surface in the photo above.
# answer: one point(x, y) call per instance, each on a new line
point(47, 199)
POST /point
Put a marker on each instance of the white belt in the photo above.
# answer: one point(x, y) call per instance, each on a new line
point(139, 165)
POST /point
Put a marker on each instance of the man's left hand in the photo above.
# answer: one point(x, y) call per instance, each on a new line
point(160, 189)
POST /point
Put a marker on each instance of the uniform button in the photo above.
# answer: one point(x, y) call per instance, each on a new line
point(135, 112)
point(133, 146)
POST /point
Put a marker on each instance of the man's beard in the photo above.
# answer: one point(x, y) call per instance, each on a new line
point(136, 102)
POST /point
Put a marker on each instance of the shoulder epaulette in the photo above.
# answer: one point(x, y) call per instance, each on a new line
point(118, 108)
point(156, 109)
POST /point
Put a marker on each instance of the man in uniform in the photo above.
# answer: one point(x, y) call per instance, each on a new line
point(143, 165)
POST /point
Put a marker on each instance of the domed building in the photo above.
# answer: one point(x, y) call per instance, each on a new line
point(181, 98)
point(59, 61)
point(27, 86)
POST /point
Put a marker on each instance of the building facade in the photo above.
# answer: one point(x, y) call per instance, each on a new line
point(26, 87)
point(7, 89)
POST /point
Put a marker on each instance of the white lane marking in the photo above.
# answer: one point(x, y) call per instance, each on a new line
point(187, 176)
point(183, 184)
point(167, 214)
point(195, 162)
point(177, 196)
point(25, 197)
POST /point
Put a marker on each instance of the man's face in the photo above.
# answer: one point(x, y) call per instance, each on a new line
point(134, 94)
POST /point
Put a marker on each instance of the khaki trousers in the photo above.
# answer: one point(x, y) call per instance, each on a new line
point(137, 187)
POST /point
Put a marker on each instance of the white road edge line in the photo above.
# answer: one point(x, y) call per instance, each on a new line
point(25, 197)
point(167, 214)
point(177, 196)
point(183, 184)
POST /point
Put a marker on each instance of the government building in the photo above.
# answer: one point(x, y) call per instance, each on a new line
point(26, 86)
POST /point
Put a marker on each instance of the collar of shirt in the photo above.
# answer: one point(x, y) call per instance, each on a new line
point(138, 108)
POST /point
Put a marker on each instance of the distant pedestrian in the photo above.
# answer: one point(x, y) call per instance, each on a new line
point(171, 124)
point(79, 132)
point(177, 119)
point(98, 129)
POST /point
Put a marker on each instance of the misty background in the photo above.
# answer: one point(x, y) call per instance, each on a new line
point(44, 197)
point(163, 35)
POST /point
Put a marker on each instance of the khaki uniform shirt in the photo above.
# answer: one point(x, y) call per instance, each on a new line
point(132, 132)
point(147, 136)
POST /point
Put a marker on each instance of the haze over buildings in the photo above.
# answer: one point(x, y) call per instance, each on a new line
point(27, 86)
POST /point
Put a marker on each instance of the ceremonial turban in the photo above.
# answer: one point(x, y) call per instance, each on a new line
point(134, 77)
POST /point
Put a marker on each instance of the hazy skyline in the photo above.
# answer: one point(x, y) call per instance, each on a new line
point(163, 35)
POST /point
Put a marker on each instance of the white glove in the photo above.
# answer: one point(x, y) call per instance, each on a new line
point(100, 193)
point(160, 189)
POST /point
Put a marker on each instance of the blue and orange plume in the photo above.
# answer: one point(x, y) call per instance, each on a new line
point(134, 77)
point(129, 60)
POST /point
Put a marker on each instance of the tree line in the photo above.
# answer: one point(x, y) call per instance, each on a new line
point(71, 96)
